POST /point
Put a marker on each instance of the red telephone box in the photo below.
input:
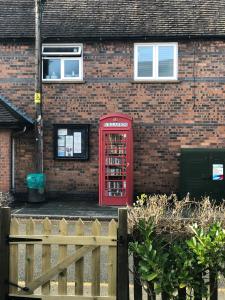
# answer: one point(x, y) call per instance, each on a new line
point(115, 160)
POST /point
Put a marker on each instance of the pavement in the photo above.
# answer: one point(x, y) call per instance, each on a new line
point(88, 209)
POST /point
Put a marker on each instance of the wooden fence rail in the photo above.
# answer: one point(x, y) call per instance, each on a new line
point(49, 260)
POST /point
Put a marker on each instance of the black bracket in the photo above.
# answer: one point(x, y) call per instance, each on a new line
point(121, 240)
point(22, 239)
point(24, 289)
point(23, 298)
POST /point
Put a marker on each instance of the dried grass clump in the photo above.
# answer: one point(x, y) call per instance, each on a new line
point(5, 199)
point(173, 216)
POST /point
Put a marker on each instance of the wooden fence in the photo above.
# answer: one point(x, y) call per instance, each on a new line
point(182, 293)
point(54, 273)
point(50, 260)
point(63, 260)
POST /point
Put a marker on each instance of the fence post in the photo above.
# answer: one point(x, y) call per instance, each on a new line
point(136, 279)
point(122, 256)
point(182, 294)
point(198, 290)
point(165, 296)
point(4, 252)
point(213, 285)
point(151, 291)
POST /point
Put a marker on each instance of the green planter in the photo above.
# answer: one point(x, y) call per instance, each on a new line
point(36, 183)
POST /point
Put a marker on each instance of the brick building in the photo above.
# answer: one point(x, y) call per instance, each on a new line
point(160, 62)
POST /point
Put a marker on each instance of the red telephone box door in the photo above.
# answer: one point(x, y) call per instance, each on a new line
point(116, 160)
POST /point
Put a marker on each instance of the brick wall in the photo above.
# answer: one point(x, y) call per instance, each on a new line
point(5, 160)
point(167, 116)
point(25, 158)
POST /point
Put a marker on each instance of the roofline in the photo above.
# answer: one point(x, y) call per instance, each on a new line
point(16, 112)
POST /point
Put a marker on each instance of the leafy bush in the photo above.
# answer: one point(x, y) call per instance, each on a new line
point(177, 244)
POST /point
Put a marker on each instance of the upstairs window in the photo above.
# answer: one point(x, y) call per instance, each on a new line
point(155, 62)
point(62, 62)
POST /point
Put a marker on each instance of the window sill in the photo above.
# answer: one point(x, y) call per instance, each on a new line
point(155, 81)
point(63, 81)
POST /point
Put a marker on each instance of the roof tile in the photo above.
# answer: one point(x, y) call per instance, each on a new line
point(120, 18)
point(11, 115)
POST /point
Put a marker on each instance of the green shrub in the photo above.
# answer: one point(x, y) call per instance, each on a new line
point(176, 251)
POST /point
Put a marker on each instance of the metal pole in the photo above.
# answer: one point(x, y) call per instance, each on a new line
point(38, 89)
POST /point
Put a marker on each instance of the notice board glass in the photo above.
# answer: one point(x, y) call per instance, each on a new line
point(71, 141)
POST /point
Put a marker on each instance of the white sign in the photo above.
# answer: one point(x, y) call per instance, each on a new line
point(62, 131)
point(61, 151)
point(113, 124)
point(61, 141)
point(217, 172)
point(69, 145)
point(77, 142)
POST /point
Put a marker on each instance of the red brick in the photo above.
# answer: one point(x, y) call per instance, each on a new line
point(5, 160)
point(189, 113)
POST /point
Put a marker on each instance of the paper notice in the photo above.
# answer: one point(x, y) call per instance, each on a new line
point(61, 151)
point(62, 131)
point(77, 142)
point(61, 140)
point(69, 145)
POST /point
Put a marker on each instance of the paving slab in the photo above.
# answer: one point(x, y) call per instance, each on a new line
point(70, 209)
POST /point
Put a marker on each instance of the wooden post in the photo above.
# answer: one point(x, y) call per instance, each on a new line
point(198, 290)
point(165, 296)
point(38, 88)
point(46, 255)
point(95, 286)
point(151, 291)
point(4, 252)
point(112, 231)
point(213, 285)
point(182, 294)
point(79, 265)
point(136, 279)
point(122, 257)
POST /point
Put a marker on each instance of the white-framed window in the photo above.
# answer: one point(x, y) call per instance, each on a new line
point(155, 61)
point(62, 62)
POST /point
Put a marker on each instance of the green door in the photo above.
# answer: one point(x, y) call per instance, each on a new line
point(202, 173)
